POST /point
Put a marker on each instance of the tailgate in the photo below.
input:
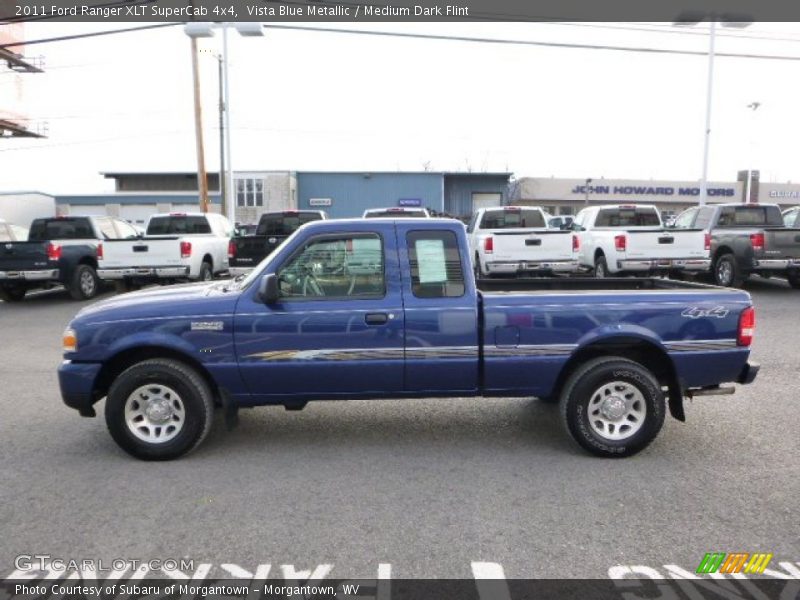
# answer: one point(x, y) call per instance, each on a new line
point(782, 242)
point(250, 250)
point(147, 252)
point(670, 243)
point(24, 256)
point(531, 245)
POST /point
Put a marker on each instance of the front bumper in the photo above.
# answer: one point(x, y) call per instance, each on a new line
point(553, 266)
point(143, 273)
point(77, 384)
point(647, 265)
point(749, 372)
point(777, 264)
point(40, 275)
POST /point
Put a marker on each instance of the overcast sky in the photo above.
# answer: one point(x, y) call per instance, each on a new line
point(322, 101)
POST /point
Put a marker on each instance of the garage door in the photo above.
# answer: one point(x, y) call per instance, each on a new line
point(486, 200)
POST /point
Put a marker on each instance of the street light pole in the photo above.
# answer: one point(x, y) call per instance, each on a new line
point(709, 91)
point(586, 191)
point(231, 191)
point(222, 191)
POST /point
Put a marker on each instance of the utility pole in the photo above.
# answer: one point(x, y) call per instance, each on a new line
point(202, 178)
point(707, 134)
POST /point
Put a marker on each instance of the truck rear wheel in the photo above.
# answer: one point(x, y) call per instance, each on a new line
point(600, 267)
point(12, 294)
point(159, 409)
point(726, 271)
point(613, 407)
point(84, 283)
point(206, 272)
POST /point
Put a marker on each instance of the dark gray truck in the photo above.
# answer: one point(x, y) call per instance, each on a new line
point(59, 251)
point(746, 239)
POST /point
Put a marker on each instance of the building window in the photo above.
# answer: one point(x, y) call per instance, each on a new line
point(249, 192)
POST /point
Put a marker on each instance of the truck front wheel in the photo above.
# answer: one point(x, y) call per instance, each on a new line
point(159, 409)
point(613, 407)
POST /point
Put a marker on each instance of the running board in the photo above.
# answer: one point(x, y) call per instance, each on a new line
point(717, 390)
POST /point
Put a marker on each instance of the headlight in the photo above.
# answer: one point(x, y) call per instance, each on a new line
point(70, 341)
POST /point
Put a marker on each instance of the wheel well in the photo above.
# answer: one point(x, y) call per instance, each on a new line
point(722, 250)
point(127, 358)
point(647, 354)
point(87, 260)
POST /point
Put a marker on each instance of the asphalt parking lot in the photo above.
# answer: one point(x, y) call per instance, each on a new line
point(428, 487)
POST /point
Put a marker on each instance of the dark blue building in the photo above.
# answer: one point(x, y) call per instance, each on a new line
point(349, 194)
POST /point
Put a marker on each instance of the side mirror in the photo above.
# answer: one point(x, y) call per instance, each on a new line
point(268, 289)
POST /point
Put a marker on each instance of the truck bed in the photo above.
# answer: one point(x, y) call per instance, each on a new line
point(590, 284)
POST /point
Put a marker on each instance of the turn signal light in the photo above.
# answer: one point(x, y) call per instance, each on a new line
point(53, 251)
point(707, 241)
point(620, 243)
point(576, 243)
point(231, 249)
point(186, 249)
point(747, 327)
point(69, 341)
point(757, 239)
point(99, 251)
point(488, 245)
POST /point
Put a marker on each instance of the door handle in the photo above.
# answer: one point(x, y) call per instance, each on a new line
point(376, 318)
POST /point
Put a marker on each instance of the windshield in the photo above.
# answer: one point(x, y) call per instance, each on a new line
point(285, 223)
point(511, 219)
point(394, 213)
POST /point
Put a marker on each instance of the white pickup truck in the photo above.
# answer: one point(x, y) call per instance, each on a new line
point(516, 240)
point(623, 239)
point(175, 246)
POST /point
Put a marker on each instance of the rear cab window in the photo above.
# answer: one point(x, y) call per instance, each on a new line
point(178, 225)
point(512, 218)
point(435, 263)
point(624, 216)
point(63, 228)
point(285, 224)
point(750, 216)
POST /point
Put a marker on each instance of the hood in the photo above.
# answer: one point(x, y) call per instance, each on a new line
point(183, 300)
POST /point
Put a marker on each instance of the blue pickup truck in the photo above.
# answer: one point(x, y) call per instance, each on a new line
point(383, 308)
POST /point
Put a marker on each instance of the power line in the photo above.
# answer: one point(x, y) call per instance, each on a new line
point(78, 36)
point(504, 41)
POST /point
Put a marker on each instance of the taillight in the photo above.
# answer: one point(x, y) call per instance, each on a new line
point(231, 249)
point(620, 243)
point(747, 327)
point(488, 245)
point(99, 251)
point(186, 249)
point(757, 239)
point(53, 251)
point(707, 241)
point(576, 243)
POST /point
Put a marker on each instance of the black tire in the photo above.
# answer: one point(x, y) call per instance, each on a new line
point(84, 284)
point(477, 269)
point(206, 272)
point(600, 267)
point(793, 277)
point(13, 294)
point(726, 271)
point(180, 379)
point(586, 385)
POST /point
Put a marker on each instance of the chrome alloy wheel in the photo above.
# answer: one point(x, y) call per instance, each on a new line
point(724, 272)
point(154, 413)
point(616, 410)
point(87, 283)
